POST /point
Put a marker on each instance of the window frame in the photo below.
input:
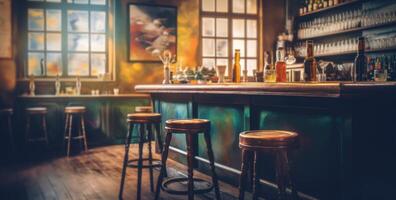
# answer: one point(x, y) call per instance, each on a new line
point(230, 16)
point(64, 7)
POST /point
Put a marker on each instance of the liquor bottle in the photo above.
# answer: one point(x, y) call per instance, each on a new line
point(370, 73)
point(360, 66)
point(78, 85)
point(57, 85)
point(32, 86)
point(236, 72)
point(269, 73)
point(393, 68)
point(315, 5)
point(310, 63)
point(280, 65)
point(310, 6)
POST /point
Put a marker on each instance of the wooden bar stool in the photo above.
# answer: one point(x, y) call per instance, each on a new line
point(143, 109)
point(272, 141)
point(145, 121)
point(39, 112)
point(189, 127)
point(7, 114)
point(75, 111)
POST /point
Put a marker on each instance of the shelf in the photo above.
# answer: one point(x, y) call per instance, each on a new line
point(353, 53)
point(330, 8)
point(350, 31)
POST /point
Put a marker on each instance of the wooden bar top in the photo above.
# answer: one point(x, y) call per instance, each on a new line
point(329, 89)
point(84, 96)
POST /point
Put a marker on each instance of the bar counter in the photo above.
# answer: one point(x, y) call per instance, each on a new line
point(345, 141)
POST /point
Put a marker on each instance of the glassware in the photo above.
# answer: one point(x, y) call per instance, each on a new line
point(220, 70)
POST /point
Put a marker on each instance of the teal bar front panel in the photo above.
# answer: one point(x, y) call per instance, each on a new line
point(175, 110)
point(227, 121)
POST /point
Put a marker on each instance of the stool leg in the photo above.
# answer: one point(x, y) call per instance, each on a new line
point(126, 156)
point(66, 124)
point(256, 177)
point(158, 136)
point(44, 121)
point(190, 168)
point(150, 156)
point(164, 157)
point(212, 165)
point(84, 133)
point(292, 179)
point(140, 161)
point(246, 158)
point(280, 175)
point(69, 135)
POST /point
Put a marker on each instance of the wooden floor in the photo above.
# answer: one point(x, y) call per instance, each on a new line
point(91, 175)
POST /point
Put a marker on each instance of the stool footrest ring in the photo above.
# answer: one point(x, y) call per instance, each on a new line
point(132, 163)
point(200, 186)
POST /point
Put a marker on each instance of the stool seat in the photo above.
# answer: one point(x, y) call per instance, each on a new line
point(6, 111)
point(187, 124)
point(268, 139)
point(75, 109)
point(144, 117)
point(36, 110)
point(143, 109)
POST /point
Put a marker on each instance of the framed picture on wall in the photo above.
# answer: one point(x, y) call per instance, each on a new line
point(6, 29)
point(152, 30)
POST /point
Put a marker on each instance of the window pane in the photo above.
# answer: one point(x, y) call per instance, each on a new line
point(78, 1)
point(77, 21)
point(209, 63)
point(223, 62)
point(78, 42)
point(222, 5)
point(251, 48)
point(57, 1)
point(238, 28)
point(78, 64)
point(34, 63)
point(98, 42)
point(208, 5)
point(222, 27)
point(208, 26)
point(238, 6)
point(208, 47)
point(251, 28)
point(251, 6)
point(54, 64)
point(54, 20)
point(98, 64)
point(239, 44)
point(222, 48)
point(98, 2)
point(36, 19)
point(36, 41)
point(251, 65)
point(98, 22)
point(54, 42)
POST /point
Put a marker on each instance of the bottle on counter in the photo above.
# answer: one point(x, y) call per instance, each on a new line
point(359, 72)
point(236, 71)
point(280, 65)
point(57, 85)
point(269, 71)
point(32, 86)
point(78, 85)
point(371, 68)
point(310, 63)
point(380, 73)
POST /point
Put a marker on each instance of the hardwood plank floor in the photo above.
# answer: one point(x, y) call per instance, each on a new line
point(91, 175)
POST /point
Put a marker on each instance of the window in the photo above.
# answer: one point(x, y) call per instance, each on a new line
point(67, 38)
point(227, 25)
